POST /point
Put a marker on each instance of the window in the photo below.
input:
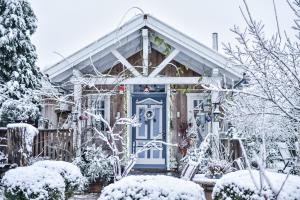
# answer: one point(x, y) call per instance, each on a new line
point(100, 104)
point(149, 88)
point(197, 103)
point(198, 113)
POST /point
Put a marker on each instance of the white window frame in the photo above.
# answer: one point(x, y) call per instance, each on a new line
point(190, 102)
point(106, 104)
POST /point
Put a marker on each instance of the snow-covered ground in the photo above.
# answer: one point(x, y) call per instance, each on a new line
point(91, 196)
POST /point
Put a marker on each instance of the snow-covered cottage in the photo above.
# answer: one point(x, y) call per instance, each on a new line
point(149, 69)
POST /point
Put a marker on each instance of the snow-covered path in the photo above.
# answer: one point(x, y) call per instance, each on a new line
point(92, 196)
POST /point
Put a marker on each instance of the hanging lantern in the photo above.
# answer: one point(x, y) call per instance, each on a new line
point(216, 112)
point(83, 117)
point(146, 89)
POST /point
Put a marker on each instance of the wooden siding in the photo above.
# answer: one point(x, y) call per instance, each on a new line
point(178, 103)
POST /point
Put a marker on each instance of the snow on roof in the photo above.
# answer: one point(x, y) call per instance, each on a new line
point(130, 31)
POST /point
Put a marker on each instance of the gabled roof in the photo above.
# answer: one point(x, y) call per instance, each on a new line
point(127, 39)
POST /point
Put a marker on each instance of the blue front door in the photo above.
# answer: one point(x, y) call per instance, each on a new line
point(151, 111)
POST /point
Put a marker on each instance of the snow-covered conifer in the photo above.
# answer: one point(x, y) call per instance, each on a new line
point(19, 75)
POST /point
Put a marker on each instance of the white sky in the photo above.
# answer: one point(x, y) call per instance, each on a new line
point(66, 26)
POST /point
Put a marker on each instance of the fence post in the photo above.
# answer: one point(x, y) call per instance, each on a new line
point(3, 145)
point(20, 139)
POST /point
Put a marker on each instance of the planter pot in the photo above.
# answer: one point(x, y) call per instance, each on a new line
point(218, 176)
point(96, 186)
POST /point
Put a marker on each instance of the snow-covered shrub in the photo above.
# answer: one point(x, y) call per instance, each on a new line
point(95, 163)
point(19, 110)
point(71, 174)
point(217, 168)
point(239, 185)
point(152, 187)
point(26, 183)
point(253, 144)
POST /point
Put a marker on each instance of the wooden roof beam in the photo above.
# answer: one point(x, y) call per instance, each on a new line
point(125, 63)
point(164, 63)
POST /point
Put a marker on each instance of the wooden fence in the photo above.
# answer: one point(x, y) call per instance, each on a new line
point(56, 144)
point(3, 144)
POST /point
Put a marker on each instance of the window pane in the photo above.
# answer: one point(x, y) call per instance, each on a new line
point(102, 104)
point(156, 153)
point(98, 107)
point(142, 128)
point(149, 88)
point(195, 103)
point(142, 154)
point(156, 122)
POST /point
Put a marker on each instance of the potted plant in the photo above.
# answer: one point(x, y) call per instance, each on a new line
point(95, 165)
point(217, 168)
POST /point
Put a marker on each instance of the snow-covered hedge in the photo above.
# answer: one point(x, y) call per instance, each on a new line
point(152, 187)
point(239, 185)
point(36, 183)
point(71, 174)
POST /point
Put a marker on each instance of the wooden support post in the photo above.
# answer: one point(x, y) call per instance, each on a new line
point(215, 99)
point(77, 112)
point(145, 51)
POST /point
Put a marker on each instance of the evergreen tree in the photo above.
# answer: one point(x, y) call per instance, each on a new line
point(19, 76)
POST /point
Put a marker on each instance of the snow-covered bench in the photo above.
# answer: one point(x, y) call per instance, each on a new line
point(189, 170)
